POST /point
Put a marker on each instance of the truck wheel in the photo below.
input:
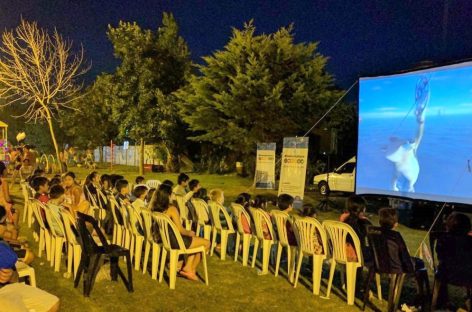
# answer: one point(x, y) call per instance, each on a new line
point(323, 188)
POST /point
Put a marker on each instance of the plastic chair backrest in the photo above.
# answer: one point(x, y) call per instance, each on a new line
point(147, 224)
point(153, 183)
point(90, 197)
point(215, 210)
point(201, 208)
point(114, 208)
point(35, 204)
point(307, 229)
point(125, 215)
point(238, 211)
point(133, 219)
point(104, 198)
point(52, 219)
point(259, 217)
point(165, 226)
point(338, 233)
point(183, 210)
point(68, 227)
point(88, 244)
point(378, 242)
point(24, 191)
point(280, 219)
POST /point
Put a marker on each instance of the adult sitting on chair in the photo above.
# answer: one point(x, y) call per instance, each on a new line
point(161, 203)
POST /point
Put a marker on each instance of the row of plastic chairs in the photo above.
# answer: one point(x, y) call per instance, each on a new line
point(332, 236)
point(127, 235)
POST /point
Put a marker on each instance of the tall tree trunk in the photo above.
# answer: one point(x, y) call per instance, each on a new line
point(141, 157)
point(100, 151)
point(53, 137)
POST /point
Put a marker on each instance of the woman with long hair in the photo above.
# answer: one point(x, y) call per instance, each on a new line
point(74, 193)
point(161, 203)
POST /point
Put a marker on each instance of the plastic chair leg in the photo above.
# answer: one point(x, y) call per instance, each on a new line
point(205, 269)
point(138, 251)
point(52, 250)
point(246, 245)
point(379, 286)
point(163, 264)
point(254, 253)
point(331, 276)
point(155, 260)
point(213, 242)
point(47, 241)
point(58, 253)
point(207, 232)
point(265, 256)
point(277, 261)
point(317, 271)
point(224, 244)
point(236, 246)
point(198, 230)
point(70, 258)
point(147, 249)
point(351, 272)
point(172, 269)
point(299, 266)
point(290, 263)
point(42, 242)
point(32, 278)
point(77, 258)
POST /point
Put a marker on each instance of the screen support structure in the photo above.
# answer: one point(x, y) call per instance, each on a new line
point(326, 203)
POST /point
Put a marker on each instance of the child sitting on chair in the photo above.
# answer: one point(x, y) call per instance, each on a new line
point(285, 204)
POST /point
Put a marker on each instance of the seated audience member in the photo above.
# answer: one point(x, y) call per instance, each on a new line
point(194, 186)
point(244, 199)
point(123, 194)
point(113, 179)
point(92, 183)
point(140, 192)
point(309, 210)
point(217, 196)
point(41, 187)
point(451, 249)
point(202, 194)
point(74, 194)
point(26, 169)
point(149, 196)
point(8, 230)
point(55, 181)
point(161, 203)
point(56, 205)
point(15, 297)
point(139, 180)
point(105, 184)
point(356, 218)
point(168, 182)
point(182, 183)
point(285, 204)
point(4, 189)
point(261, 203)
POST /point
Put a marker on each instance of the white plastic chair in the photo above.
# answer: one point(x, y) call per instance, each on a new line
point(201, 209)
point(153, 183)
point(128, 238)
point(25, 270)
point(337, 233)
point(57, 237)
point(165, 226)
point(149, 243)
point(44, 234)
point(28, 210)
point(183, 210)
point(215, 210)
point(138, 238)
point(307, 230)
point(238, 212)
point(280, 219)
point(74, 251)
point(118, 229)
point(98, 211)
point(260, 217)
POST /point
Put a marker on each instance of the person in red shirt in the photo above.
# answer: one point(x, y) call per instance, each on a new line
point(41, 186)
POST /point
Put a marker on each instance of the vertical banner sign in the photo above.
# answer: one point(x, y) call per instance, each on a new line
point(265, 166)
point(293, 170)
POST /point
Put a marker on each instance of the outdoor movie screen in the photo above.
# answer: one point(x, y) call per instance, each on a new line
point(415, 134)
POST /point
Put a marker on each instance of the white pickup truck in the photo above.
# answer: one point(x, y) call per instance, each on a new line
point(341, 179)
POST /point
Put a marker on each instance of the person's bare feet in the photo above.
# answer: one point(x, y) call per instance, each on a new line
point(189, 275)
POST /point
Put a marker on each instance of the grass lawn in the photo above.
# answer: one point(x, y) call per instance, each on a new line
point(232, 287)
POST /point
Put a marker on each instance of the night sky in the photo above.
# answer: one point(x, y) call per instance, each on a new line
point(362, 37)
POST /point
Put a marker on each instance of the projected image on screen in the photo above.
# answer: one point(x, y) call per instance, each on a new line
point(415, 134)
